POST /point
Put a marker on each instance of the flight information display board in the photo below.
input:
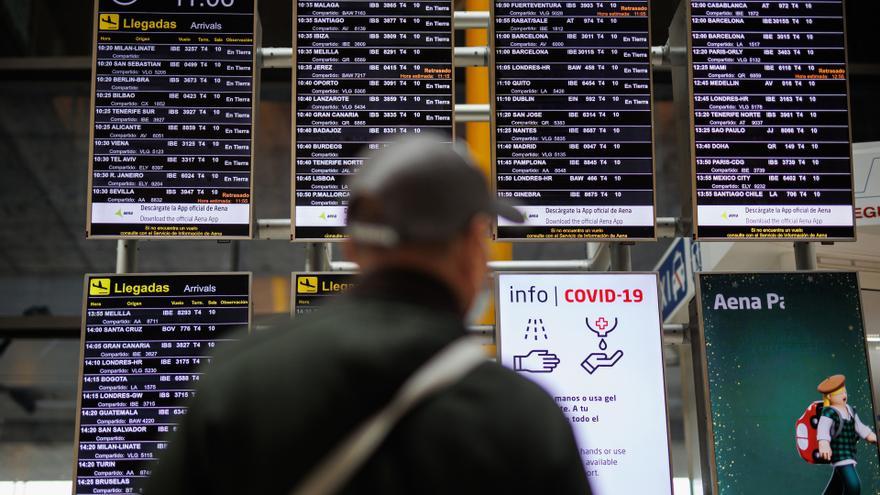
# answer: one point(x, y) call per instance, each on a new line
point(145, 341)
point(772, 154)
point(173, 106)
point(312, 289)
point(572, 118)
point(364, 72)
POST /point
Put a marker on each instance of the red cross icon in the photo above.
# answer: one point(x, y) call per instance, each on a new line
point(601, 323)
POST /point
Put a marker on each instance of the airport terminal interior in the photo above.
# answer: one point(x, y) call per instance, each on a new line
point(705, 210)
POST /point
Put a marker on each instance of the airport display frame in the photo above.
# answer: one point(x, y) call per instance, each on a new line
point(254, 109)
point(493, 170)
point(497, 285)
point(294, 293)
point(340, 235)
point(693, 146)
point(83, 335)
point(703, 397)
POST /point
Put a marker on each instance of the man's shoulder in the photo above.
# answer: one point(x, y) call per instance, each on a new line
point(273, 336)
point(278, 343)
point(509, 388)
point(501, 399)
point(503, 380)
point(494, 410)
point(323, 342)
point(289, 334)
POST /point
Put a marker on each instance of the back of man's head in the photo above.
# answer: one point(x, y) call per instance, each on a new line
point(421, 203)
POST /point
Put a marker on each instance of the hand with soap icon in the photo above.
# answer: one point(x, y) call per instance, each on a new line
point(598, 360)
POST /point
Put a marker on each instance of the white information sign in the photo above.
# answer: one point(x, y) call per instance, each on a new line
point(866, 166)
point(594, 342)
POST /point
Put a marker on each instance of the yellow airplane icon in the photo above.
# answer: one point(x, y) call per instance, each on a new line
point(109, 22)
point(99, 287)
point(307, 285)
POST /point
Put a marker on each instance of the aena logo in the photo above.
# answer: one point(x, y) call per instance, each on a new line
point(124, 3)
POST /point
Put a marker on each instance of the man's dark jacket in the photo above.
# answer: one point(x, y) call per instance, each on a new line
point(273, 406)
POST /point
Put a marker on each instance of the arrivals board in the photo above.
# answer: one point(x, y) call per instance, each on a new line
point(594, 343)
point(174, 97)
point(771, 120)
point(146, 339)
point(312, 289)
point(364, 73)
point(572, 118)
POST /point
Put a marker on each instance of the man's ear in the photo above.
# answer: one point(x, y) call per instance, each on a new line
point(481, 228)
point(478, 235)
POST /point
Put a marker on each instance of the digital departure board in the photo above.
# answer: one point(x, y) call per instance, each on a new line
point(145, 342)
point(771, 120)
point(572, 118)
point(311, 290)
point(364, 72)
point(174, 85)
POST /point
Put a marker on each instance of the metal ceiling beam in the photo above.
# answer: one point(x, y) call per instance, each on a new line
point(280, 58)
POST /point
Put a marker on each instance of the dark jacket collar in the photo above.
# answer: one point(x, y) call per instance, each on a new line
point(408, 286)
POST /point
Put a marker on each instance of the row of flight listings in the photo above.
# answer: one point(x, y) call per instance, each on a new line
point(175, 99)
point(593, 341)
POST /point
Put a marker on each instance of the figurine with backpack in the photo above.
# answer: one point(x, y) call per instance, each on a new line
point(828, 432)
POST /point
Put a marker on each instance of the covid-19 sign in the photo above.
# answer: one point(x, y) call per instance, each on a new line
point(594, 342)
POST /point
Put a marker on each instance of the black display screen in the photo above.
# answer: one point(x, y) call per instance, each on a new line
point(572, 118)
point(771, 120)
point(145, 342)
point(173, 113)
point(364, 73)
point(311, 290)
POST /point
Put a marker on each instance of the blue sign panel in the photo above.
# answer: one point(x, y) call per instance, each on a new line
point(676, 270)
